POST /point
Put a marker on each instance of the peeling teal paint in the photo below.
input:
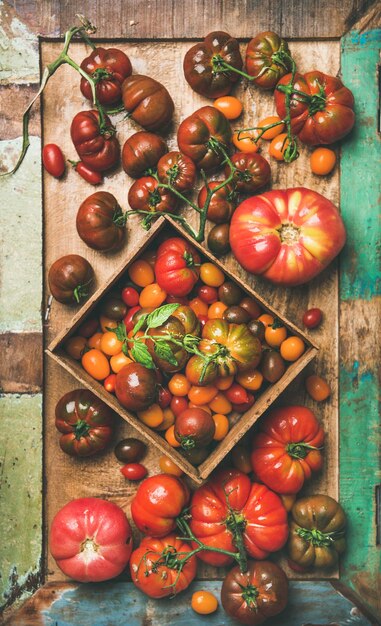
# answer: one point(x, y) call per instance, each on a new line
point(19, 50)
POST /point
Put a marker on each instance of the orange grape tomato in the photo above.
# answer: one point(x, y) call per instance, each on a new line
point(202, 395)
point(106, 323)
point(217, 310)
point(322, 161)
point(170, 437)
point(152, 296)
point(317, 388)
point(224, 383)
point(199, 307)
point(169, 419)
point(266, 319)
point(179, 385)
point(75, 346)
point(245, 141)
point(118, 361)
point(153, 416)
point(204, 602)
point(220, 404)
point(211, 275)
point(96, 364)
point(288, 500)
point(141, 273)
point(241, 459)
point(221, 423)
point(278, 146)
point(275, 130)
point(167, 466)
point(292, 348)
point(110, 344)
point(275, 334)
point(230, 106)
point(95, 341)
point(251, 379)
point(203, 407)
point(109, 383)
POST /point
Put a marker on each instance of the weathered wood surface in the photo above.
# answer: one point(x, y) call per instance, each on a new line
point(62, 99)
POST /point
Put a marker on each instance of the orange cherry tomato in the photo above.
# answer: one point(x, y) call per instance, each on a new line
point(95, 341)
point(211, 275)
point(252, 380)
point(288, 500)
point(278, 146)
point(199, 307)
point(245, 141)
point(167, 466)
point(292, 348)
point(75, 346)
point(153, 416)
point(141, 273)
point(169, 419)
point(228, 105)
point(217, 310)
point(106, 323)
point(170, 437)
point(109, 383)
point(221, 423)
point(96, 364)
point(110, 344)
point(275, 130)
point(224, 383)
point(317, 388)
point(203, 407)
point(275, 334)
point(118, 361)
point(266, 319)
point(204, 602)
point(322, 161)
point(152, 296)
point(220, 404)
point(179, 385)
point(202, 395)
point(241, 459)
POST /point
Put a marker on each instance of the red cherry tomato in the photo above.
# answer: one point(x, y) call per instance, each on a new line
point(236, 394)
point(128, 319)
point(165, 397)
point(134, 471)
point(203, 319)
point(130, 296)
point(208, 294)
point(53, 160)
point(244, 406)
point(178, 405)
point(94, 178)
point(312, 318)
point(109, 383)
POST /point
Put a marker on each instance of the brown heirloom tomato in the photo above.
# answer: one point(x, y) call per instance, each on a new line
point(98, 150)
point(188, 318)
point(200, 134)
point(201, 65)
point(253, 171)
point(145, 195)
point(194, 428)
point(141, 152)
point(178, 170)
point(85, 421)
point(174, 328)
point(136, 387)
point(108, 67)
point(267, 59)
point(241, 350)
point(100, 222)
point(222, 203)
point(316, 533)
point(253, 596)
point(328, 114)
point(69, 279)
point(147, 101)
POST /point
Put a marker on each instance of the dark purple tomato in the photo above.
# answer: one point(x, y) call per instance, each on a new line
point(312, 318)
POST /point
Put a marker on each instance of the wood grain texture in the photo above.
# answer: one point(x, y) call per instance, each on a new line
point(19, 373)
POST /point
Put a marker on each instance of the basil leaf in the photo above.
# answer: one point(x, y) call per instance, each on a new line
point(141, 354)
point(160, 315)
point(141, 321)
point(125, 349)
point(163, 351)
point(120, 331)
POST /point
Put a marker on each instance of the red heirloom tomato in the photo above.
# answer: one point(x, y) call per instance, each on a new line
point(98, 150)
point(175, 266)
point(253, 596)
point(136, 387)
point(287, 449)
point(202, 65)
point(157, 502)
point(222, 203)
point(85, 421)
point(230, 498)
point(147, 101)
point(70, 278)
point(268, 59)
point(288, 235)
point(145, 195)
point(253, 171)
point(200, 134)
point(100, 222)
point(142, 151)
point(91, 540)
point(108, 67)
point(326, 116)
point(53, 160)
point(178, 170)
point(150, 566)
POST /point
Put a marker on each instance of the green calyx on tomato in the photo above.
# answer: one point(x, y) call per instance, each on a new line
point(81, 291)
point(81, 429)
point(100, 74)
point(317, 538)
point(119, 218)
point(250, 594)
point(299, 450)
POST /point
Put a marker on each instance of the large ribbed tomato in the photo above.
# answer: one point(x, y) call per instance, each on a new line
point(201, 134)
point(287, 235)
point(108, 67)
point(230, 499)
point(177, 266)
point(98, 149)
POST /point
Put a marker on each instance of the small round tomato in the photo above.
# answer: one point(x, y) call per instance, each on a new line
point(118, 361)
point(152, 295)
point(244, 406)
point(251, 306)
point(236, 394)
point(241, 459)
point(53, 160)
point(204, 602)
point(95, 341)
point(257, 329)
point(312, 318)
point(169, 419)
point(165, 397)
point(153, 416)
point(221, 423)
point(218, 239)
point(106, 323)
point(199, 307)
point(211, 275)
point(292, 348)
point(130, 450)
point(228, 105)
point(245, 141)
point(275, 334)
point(216, 310)
point(317, 388)
point(272, 366)
point(130, 296)
point(179, 385)
point(141, 273)
point(322, 161)
point(167, 466)
point(207, 294)
point(109, 383)
point(220, 404)
point(229, 293)
point(134, 471)
point(252, 379)
point(75, 346)
point(275, 130)
point(110, 344)
point(178, 405)
point(224, 383)
point(202, 395)
point(170, 437)
point(96, 364)
point(266, 319)
point(278, 146)
point(88, 327)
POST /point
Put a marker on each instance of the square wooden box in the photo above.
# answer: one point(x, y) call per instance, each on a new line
point(241, 422)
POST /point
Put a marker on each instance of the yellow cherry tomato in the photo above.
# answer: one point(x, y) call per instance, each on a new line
point(202, 395)
point(224, 383)
point(141, 273)
point(251, 379)
point(110, 344)
point(275, 334)
point(179, 385)
point(169, 419)
point(322, 161)
point(266, 319)
point(152, 296)
point(96, 364)
point(221, 423)
point(118, 361)
point(275, 130)
point(153, 416)
point(217, 310)
point(278, 146)
point(292, 348)
point(95, 341)
point(211, 275)
point(230, 106)
point(170, 437)
point(167, 466)
point(245, 141)
point(204, 602)
point(220, 404)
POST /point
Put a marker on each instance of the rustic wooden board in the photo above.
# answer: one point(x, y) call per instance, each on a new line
point(67, 478)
